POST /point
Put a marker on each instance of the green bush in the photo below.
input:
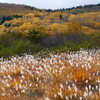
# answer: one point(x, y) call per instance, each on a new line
point(12, 44)
point(35, 35)
point(7, 39)
point(95, 39)
point(25, 46)
point(6, 52)
point(71, 46)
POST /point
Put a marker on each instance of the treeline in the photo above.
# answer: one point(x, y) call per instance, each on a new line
point(15, 9)
point(78, 9)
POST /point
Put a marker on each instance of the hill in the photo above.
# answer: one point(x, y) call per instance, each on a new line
point(78, 9)
point(11, 11)
point(84, 9)
point(15, 9)
point(37, 30)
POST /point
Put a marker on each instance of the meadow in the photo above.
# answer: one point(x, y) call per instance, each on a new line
point(64, 76)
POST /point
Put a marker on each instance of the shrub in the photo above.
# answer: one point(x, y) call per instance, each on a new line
point(74, 28)
point(71, 46)
point(35, 35)
point(6, 52)
point(95, 39)
point(25, 46)
point(14, 44)
point(7, 39)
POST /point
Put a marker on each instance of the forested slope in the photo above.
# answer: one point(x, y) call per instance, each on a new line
point(33, 30)
point(14, 9)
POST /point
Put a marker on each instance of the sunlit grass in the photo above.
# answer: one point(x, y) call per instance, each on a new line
point(72, 76)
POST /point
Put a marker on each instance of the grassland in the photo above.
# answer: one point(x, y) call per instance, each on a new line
point(65, 76)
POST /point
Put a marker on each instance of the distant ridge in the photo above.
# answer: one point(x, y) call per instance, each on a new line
point(15, 9)
point(7, 9)
point(79, 9)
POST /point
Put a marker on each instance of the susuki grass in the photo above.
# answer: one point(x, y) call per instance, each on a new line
point(66, 76)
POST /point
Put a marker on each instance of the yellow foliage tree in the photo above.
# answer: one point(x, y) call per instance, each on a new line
point(74, 28)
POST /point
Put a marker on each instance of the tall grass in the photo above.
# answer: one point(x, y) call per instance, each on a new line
point(65, 76)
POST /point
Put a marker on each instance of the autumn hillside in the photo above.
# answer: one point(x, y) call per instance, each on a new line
point(14, 9)
point(28, 29)
point(84, 9)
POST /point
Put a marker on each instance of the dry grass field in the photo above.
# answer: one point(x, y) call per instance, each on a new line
point(66, 76)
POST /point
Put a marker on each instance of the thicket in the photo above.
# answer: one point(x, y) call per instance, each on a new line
point(35, 42)
point(15, 44)
point(7, 18)
point(55, 31)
